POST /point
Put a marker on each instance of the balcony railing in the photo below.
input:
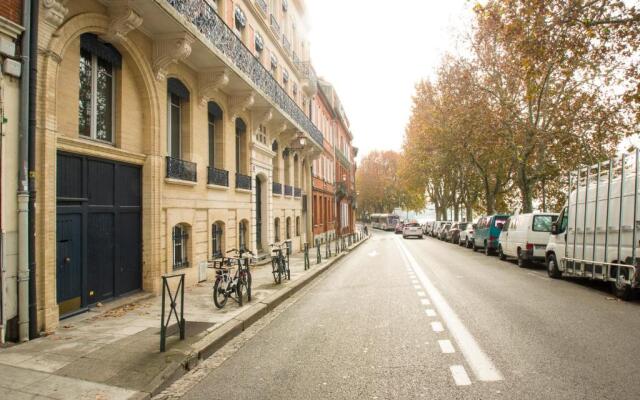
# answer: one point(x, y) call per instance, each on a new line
point(262, 6)
point(205, 19)
point(307, 72)
point(275, 26)
point(181, 169)
point(342, 157)
point(277, 188)
point(286, 44)
point(243, 181)
point(297, 192)
point(217, 176)
point(288, 190)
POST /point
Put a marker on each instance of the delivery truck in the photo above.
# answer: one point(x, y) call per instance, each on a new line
point(596, 234)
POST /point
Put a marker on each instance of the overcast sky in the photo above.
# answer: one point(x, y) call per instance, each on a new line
point(374, 52)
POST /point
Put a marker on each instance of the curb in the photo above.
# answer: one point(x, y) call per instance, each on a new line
point(211, 343)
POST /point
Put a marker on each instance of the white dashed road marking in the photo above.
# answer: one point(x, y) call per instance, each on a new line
point(425, 302)
point(483, 368)
point(446, 346)
point(417, 287)
point(460, 375)
point(430, 312)
point(421, 294)
point(437, 327)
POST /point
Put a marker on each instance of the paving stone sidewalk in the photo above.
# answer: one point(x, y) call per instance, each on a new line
point(112, 352)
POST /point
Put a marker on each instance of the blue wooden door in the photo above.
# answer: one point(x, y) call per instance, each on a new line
point(69, 262)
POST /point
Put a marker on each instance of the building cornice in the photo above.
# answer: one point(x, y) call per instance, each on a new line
point(10, 28)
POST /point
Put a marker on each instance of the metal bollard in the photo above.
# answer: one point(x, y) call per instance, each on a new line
point(164, 324)
point(337, 246)
point(318, 255)
point(307, 264)
point(327, 249)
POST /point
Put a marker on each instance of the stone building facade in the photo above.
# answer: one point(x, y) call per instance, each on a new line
point(169, 131)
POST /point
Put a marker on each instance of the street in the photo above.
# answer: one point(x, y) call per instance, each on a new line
point(426, 319)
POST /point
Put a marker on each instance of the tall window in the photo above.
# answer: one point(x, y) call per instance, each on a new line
point(177, 95)
point(214, 115)
point(276, 228)
point(297, 226)
point(180, 238)
point(216, 239)
point(288, 228)
point(242, 235)
point(241, 129)
point(98, 61)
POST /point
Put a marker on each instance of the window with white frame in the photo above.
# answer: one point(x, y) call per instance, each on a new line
point(217, 230)
point(98, 61)
point(180, 238)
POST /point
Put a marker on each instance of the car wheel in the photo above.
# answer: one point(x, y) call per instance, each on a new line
point(473, 246)
point(487, 250)
point(501, 254)
point(552, 267)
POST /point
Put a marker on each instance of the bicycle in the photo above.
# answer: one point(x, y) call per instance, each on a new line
point(279, 264)
point(225, 285)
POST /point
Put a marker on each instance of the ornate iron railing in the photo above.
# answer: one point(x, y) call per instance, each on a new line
point(307, 72)
point(243, 181)
point(205, 19)
point(286, 44)
point(277, 188)
point(262, 6)
point(297, 192)
point(288, 190)
point(181, 169)
point(275, 26)
point(342, 157)
point(217, 176)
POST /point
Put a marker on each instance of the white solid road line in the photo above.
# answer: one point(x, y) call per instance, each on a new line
point(425, 302)
point(446, 346)
point(437, 327)
point(430, 312)
point(460, 375)
point(482, 366)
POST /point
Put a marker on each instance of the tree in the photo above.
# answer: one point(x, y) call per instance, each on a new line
point(379, 185)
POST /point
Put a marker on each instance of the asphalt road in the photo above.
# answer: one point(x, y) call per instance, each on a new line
point(404, 319)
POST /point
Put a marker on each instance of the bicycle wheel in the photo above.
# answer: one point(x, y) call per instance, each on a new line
point(240, 290)
point(281, 268)
point(275, 268)
point(219, 293)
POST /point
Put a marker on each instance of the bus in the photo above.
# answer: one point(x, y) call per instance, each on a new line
point(386, 222)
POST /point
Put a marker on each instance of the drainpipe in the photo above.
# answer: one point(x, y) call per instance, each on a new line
point(23, 186)
point(33, 73)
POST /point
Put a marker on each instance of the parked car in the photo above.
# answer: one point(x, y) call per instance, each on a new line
point(442, 232)
point(453, 235)
point(466, 235)
point(412, 228)
point(399, 227)
point(437, 227)
point(525, 236)
point(427, 227)
point(487, 233)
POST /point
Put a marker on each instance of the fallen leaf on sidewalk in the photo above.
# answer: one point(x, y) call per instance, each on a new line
point(67, 326)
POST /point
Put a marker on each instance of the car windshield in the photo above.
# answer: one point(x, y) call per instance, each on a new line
point(500, 222)
point(393, 220)
point(542, 223)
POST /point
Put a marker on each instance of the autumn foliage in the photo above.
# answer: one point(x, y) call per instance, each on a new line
point(547, 85)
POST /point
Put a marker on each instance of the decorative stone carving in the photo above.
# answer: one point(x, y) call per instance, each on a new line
point(169, 50)
point(263, 116)
point(241, 103)
point(210, 82)
point(54, 12)
point(123, 19)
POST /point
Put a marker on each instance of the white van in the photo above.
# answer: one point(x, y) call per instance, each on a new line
point(525, 236)
point(596, 235)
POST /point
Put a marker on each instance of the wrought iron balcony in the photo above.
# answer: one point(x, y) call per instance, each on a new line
point(217, 176)
point(277, 188)
point(275, 26)
point(288, 190)
point(204, 18)
point(181, 169)
point(309, 77)
point(262, 6)
point(243, 181)
point(297, 192)
point(286, 44)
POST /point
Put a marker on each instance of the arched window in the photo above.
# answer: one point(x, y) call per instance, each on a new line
point(276, 229)
point(217, 237)
point(177, 100)
point(242, 235)
point(287, 167)
point(241, 130)
point(214, 130)
point(297, 226)
point(180, 246)
point(288, 228)
point(98, 61)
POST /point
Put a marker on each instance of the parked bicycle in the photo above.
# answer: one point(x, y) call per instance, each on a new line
point(280, 263)
point(227, 286)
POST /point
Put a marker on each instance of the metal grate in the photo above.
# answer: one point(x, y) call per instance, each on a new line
point(181, 169)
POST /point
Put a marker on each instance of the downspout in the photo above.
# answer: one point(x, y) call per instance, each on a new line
point(23, 186)
point(33, 74)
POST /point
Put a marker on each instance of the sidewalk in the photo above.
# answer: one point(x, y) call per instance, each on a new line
point(113, 352)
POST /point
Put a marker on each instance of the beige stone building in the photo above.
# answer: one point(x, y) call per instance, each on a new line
point(168, 132)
